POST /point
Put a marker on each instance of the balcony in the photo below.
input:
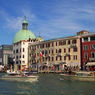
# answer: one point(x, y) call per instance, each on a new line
point(67, 54)
point(91, 59)
point(73, 46)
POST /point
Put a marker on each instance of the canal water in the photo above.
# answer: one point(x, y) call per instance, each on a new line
point(48, 84)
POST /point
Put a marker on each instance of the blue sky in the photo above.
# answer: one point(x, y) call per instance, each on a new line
point(50, 18)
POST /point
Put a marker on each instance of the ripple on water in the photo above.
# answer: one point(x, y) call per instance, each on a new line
point(47, 84)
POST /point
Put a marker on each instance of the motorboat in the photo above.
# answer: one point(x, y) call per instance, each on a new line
point(20, 76)
point(80, 76)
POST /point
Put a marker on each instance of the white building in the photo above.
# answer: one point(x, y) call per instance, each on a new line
point(20, 45)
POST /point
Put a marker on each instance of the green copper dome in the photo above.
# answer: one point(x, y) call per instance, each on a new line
point(24, 34)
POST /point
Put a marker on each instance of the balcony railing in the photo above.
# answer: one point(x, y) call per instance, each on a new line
point(91, 59)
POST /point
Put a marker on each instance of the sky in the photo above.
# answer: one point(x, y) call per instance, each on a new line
point(47, 18)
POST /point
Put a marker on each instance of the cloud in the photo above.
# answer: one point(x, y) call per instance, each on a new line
point(14, 23)
point(55, 19)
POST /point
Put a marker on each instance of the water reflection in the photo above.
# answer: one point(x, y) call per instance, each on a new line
point(48, 84)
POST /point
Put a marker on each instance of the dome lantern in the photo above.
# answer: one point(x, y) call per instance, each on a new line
point(25, 24)
point(24, 34)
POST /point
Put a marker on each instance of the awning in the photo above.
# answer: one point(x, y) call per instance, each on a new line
point(90, 64)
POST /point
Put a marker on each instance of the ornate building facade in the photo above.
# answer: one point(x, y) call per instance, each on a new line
point(56, 52)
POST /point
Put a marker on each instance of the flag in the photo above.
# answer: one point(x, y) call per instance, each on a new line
point(40, 54)
point(41, 57)
point(45, 52)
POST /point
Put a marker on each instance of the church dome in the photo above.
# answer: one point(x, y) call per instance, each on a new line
point(24, 34)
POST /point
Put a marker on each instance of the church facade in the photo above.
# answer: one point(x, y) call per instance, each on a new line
point(21, 42)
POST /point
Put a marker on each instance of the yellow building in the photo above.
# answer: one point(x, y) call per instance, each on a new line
point(56, 52)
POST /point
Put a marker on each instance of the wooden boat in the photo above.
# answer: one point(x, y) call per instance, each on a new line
point(80, 76)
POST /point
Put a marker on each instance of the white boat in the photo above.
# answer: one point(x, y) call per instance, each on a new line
point(19, 75)
point(79, 76)
point(13, 72)
point(20, 78)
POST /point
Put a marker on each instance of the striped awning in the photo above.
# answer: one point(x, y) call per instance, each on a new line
point(90, 64)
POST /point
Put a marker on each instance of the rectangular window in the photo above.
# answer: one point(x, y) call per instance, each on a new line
point(16, 50)
point(64, 50)
point(56, 50)
point(59, 50)
point(68, 49)
point(23, 49)
point(85, 55)
point(64, 57)
point(49, 58)
point(56, 58)
point(75, 49)
point(75, 57)
point(43, 46)
point(74, 41)
point(48, 44)
point(56, 43)
point(85, 47)
point(42, 51)
point(93, 54)
point(92, 38)
point(64, 42)
point(68, 42)
point(23, 56)
point(86, 39)
point(52, 58)
point(60, 43)
point(60, 57)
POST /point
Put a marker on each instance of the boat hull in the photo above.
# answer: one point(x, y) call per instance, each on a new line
point(20, 78)
point(78, 78)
